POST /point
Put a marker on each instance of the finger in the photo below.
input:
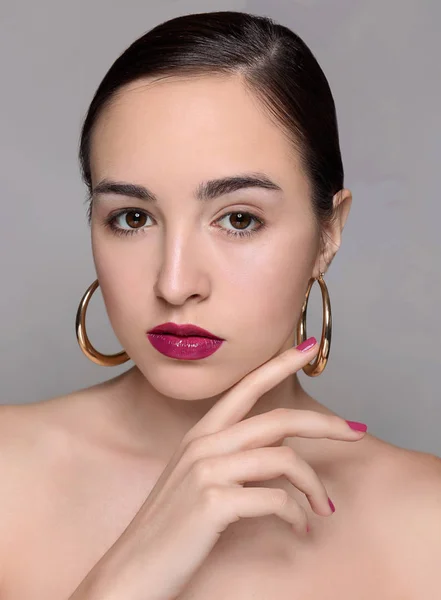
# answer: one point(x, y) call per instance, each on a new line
point(237, 403)
point(263, 464)
point(270, 427)
point(265, 429)
point(232, 504)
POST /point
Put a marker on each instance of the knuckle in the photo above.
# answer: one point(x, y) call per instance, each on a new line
point(287, 453)
point(189, 444)
point(282, 412)
point(279, 497)
point(291, 362)
point(291, 458)
point(316, 491)
point(183, 444)
point(200, 472)
point(193, 450)
point(337, 421)
point(210, 497)
point(284, 357)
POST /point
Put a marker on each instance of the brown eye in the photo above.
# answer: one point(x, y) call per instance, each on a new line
point(240, 220)
point(128, 221)
point(134, 218)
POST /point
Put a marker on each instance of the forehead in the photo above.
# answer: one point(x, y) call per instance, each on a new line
point(205, 126)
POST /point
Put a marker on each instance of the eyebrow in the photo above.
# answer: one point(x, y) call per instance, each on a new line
point(207, 190)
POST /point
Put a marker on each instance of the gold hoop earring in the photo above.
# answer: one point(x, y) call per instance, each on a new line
point(105, 360)
point(315, 368)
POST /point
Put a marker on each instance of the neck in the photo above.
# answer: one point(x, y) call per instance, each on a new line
point(156, 423)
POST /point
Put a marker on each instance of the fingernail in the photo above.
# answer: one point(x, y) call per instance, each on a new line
point(357, 426)
point(308, 529)
point(307, 344)
point(331, 504)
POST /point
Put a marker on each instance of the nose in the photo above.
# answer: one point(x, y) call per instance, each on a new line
point(182, 274)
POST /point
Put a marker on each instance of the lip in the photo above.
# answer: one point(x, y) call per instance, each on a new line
point(185, 330)
point(184, 348)
point(185, 342)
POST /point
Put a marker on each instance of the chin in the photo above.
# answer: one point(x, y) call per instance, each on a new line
point(190, 380)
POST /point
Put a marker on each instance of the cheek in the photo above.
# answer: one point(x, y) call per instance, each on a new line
point(123, 280)
point(274, 299)
point(269, 294)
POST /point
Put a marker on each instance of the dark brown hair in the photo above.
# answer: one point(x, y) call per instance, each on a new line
point(272, 61)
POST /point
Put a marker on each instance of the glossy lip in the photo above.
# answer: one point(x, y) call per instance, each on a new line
point(185, 348)
point(182, 330)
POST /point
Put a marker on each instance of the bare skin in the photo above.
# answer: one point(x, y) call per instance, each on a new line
point(76, 469)
point(72, 484)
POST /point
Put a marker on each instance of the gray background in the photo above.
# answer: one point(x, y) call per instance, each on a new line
point(382, 61)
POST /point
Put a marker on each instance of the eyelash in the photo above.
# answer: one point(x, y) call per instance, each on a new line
point(110, 222)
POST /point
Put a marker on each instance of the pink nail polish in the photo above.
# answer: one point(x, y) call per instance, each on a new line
point(357, 426)
point(331, 504)
point(307, 344)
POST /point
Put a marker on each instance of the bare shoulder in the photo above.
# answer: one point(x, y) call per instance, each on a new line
point(21, 459)
point(398, 464)
point(409, 478)
point(35, 437)
point(404, 495)
point(54, 423)
point(39, 424)
point(32, 437)
point(67, 489)
point(38, 441)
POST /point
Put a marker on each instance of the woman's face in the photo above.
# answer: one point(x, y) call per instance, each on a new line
point(184, 259)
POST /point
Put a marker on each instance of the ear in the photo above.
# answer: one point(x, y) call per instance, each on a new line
point(331, 237)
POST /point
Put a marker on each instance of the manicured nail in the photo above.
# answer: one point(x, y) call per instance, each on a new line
point(307, 344)
point(357, 426)
point(331, 505)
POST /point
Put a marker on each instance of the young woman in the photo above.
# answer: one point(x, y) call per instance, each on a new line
point(211, 155)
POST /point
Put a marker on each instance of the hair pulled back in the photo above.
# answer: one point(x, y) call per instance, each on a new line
point(272, 61)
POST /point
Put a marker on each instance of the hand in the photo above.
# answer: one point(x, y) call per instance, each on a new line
point(200, 492)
